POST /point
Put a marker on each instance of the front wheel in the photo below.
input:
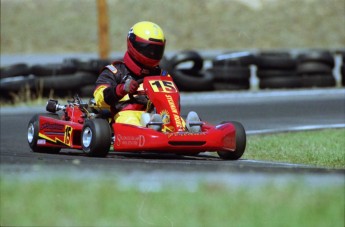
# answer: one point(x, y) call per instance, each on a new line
point(96, 137)
point(33, 131)
point(241, 140)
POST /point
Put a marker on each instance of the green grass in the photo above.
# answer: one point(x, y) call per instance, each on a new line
point(64, 202)
point(60, 26)
point(323, 148)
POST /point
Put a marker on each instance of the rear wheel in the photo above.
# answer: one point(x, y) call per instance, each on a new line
point(96, 137)
point(33, 130)
point(241, 140)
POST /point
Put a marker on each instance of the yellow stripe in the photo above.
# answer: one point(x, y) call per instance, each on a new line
point(99, 97)
point(49, 139)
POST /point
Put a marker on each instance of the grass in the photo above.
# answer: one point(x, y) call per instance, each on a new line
point(60, 26)
point(64, 202)
point(324, 148)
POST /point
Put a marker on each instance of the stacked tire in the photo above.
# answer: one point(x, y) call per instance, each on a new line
point(90, 70)
point(15, 78)
point(309, 69)
point(186, 68)
point(316, 69)
point(61, 79)
point(231, 71)
point(277, 70)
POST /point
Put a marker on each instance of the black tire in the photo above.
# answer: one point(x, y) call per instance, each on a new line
point(186, 82)
point(263, 74)
point(242, 58)
point(20, 69)
point(230, 73)
point(232, 86)
point(96, 137)
point(241, 140)
point(276, 61)
point(86, 91)
point(324, 57)
point(187, 56)
point(66, 82)
point(318, 81)
point(93, 66)
point(191, 73)
point(275, 53)
point(32, 134)
point(53, 69)
point(313, 68)
point(16, 83)
point(280, 82)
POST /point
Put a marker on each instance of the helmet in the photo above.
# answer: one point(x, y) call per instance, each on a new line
point(146, 43)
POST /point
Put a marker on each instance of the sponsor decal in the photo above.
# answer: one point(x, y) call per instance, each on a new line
point(176, 115)
point(172, 104)
point(185, 134)
point(41, 141)
point(168, 128)
point(165, 117)
point(112, 68)
point(50, 126)
point(122, 140)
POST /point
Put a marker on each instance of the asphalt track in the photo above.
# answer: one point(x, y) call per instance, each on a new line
point(259, 112)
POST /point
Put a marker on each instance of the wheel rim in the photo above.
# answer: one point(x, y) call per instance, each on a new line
point(31, 131)
point(87, 137)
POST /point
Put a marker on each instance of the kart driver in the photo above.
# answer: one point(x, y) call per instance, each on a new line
point(145, 49)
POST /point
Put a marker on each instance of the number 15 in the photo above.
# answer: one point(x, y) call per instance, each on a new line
point(163, 86)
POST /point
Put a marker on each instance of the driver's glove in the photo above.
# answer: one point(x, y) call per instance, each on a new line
point(129, 87)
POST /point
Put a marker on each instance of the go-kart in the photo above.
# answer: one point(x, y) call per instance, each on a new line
point(86, 127)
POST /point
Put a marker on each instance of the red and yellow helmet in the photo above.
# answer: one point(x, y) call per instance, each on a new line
point(146, 43)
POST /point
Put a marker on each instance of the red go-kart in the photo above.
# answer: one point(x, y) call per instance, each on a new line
point(85, 127)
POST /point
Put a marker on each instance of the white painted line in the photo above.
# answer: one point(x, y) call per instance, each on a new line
point(294, 129)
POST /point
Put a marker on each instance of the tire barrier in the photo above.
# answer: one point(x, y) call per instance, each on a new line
point(191, 78)
point(307, 70)
point(53, 69)
point(61, 79)
point(231, 71)
point(241, 58)
point(231, 77)
point(91, 66)
point(276, 70)
point(316, 69)
point(20, 69)
point(16, 83)
point(227, 71)
point(318, 56)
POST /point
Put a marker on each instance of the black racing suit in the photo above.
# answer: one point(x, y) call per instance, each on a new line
point(110, 77)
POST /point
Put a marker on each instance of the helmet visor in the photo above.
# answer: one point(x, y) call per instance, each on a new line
point(151, 49)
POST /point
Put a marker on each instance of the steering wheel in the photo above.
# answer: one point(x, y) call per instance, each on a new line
point(139, 98)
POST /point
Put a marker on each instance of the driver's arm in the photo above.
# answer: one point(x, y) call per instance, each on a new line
point(112, 86)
